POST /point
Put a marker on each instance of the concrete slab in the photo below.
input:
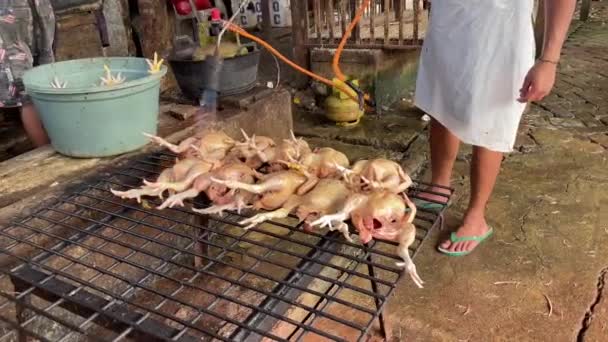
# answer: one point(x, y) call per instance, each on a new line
point(391, 131)
point(547, 212)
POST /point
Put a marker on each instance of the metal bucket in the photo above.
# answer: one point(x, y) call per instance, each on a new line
point(239, 74)
point(88, 120)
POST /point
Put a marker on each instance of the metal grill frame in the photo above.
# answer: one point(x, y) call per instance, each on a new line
point(123, 315)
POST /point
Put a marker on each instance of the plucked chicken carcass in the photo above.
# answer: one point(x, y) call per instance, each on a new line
point(255, 151)
point(210, 145)
point(328, 196)
point(175, 174)
point(182, 183)
point(321, 163)
point(377, 174)
point(380, 215)
point(273, 190)
point(218, 194)
point(288, 150)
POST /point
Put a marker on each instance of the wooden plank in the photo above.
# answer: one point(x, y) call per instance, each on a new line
point(387, 20)
point(330, 20)
point(356, 34)
point(399, 14)
point(372, 20)
point(416, 19)
point(266, 19)
point(299, 35)
point(317, 20)
point(343, 12)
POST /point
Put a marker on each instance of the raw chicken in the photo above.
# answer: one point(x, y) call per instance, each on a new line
point(173, 174)
point(381, 215)
point(288, 150)
point(377, 174)
point(328, 196)
point(254, 151)
point(321, 163)
point(273, 190)
point(187, 174)
point(165, 176)
point(216, 193)
point(210, 145)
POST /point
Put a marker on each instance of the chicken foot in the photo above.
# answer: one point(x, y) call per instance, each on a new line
point(177, 149)
point(239, 204)
point(137, 194)
point(178, 199)
point(407, 236)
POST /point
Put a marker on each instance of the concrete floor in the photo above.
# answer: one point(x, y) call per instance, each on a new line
point(541, 276)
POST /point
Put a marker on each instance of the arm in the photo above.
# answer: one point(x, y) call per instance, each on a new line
point(541, 78)
point(558, 14)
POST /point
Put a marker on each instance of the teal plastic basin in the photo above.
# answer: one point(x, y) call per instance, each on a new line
point(88, 120)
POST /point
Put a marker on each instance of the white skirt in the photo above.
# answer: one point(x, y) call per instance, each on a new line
point(474, 59)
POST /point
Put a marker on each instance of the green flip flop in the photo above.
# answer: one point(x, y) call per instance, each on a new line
point(454, 239)
point(426, 205)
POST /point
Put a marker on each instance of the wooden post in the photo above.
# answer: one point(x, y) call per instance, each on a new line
point(585, 9)
point(266, 19)
point(539, 27)
point(299, 32)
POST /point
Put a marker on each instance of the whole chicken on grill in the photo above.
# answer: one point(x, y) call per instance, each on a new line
point(289, 149)
point(210, 145)
point(321, 163)
point(255, 151)
point(273, 190)
point(377, 174)
point(178, 173)
point(217, 194)
point(328, 196)
point(381, 215)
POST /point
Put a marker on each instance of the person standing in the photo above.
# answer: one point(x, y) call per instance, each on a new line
point(27, 31)
point(477, 73)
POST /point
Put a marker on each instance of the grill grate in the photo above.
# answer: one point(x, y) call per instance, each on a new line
point(90, 266)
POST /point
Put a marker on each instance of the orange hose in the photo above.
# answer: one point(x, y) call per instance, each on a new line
point(349, 30)
point(242, 32)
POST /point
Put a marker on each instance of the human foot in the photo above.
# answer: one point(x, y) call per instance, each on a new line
point(464, 240)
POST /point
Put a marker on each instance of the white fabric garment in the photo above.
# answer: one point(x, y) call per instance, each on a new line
point(474, 59)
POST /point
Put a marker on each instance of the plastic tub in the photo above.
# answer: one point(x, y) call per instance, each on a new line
point(88, 120)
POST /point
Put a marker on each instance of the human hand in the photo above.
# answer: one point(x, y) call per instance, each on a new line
point(538, 82)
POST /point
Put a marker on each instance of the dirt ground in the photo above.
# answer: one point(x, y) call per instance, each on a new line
point(542, 275)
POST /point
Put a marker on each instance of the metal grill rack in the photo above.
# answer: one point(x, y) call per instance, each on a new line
point(90, 266)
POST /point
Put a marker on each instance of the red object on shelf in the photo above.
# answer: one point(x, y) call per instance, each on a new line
point(216, 15)
point(182, 7)
point(202, 4)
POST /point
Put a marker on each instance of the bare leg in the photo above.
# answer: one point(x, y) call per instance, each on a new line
point(484, 171)
point(444, 150)
point(32, 125)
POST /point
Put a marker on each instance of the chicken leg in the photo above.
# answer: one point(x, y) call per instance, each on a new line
point(178, 149)
point(239, 204)
point(407, 236)
point(165, 176)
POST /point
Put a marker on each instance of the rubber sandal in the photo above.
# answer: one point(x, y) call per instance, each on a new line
point(455, 239)
point(426, 205)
